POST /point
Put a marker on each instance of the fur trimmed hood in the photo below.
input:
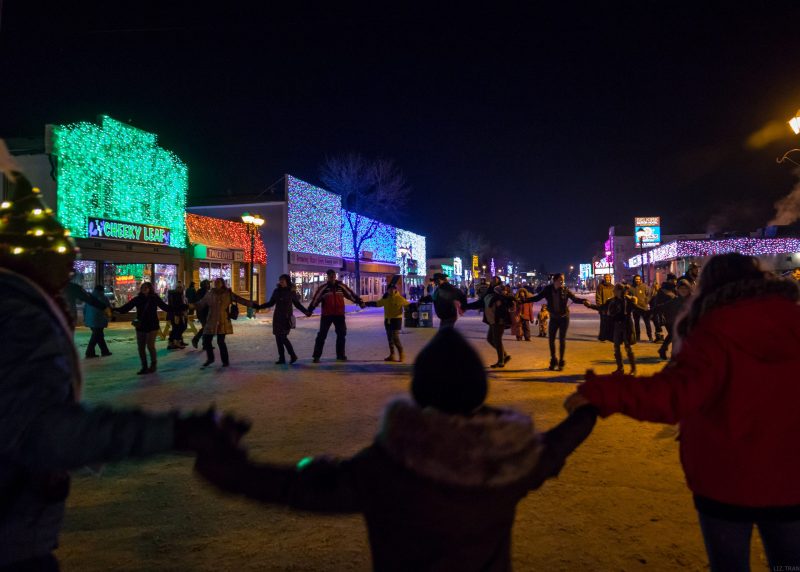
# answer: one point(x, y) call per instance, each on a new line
point(747, 289)
point(492, 448)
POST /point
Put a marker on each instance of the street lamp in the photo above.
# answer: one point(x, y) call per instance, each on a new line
point(640, 234)
point(484, 271)
point(253, 222)
point(794, 123)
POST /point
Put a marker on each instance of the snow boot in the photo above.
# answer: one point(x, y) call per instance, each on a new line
point(553, 364)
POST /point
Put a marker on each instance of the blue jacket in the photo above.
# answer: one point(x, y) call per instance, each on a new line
point(44, 431)
point(96, 317)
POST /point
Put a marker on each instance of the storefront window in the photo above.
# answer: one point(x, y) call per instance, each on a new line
point(85, 274)
point(122, 281)
point(307, 283)
point(213, 270)
point(165, 278)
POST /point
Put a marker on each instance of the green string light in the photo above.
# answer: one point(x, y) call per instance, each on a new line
point(118, 172)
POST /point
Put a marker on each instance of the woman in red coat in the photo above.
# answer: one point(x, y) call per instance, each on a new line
point(735, 390)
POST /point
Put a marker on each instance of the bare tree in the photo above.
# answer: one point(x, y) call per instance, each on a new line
point(372, 192)
point(467, 243)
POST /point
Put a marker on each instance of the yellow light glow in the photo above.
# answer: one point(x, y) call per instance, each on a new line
point(36, 190)
point(66, 232)
point(18, 250)
point(794, 123)
point(37, 211)
point(38, 232)
point(62, 249)
point(5, 205)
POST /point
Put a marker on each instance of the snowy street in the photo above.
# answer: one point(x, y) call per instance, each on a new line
point(619, 504)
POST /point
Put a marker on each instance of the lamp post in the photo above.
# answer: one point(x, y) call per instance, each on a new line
point(794, 123)
point(404, 251)
point(640, 232)
point(484, 271)
point(253, 222)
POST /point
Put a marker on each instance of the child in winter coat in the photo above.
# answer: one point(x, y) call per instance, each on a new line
point(541, 320)
point(392, 304)
point(439, 486)
point(619, 310)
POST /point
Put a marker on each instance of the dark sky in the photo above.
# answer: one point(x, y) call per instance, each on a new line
point(539, 128)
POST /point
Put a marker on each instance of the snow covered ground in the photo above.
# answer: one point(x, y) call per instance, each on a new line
point(619, 504)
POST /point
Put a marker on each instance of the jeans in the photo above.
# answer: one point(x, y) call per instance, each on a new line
point(325, 323)
point(728, 543)
point(645, 315)
point(558, 326)
point(284, 345)
point(621, 338)
point(146, 340)
point(525, 328)
point(223, 348)
point(495, 339)
point(98, 339)
point(392, 327)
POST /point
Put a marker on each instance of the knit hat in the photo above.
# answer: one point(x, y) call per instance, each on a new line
point(449, 375)
point(27, 226)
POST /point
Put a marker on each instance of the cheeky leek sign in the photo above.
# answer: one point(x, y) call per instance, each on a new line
point(128, 231)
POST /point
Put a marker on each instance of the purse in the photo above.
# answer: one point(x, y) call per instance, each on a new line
point(233, 311)
point(292, 322)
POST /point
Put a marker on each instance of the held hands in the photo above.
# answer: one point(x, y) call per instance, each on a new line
point(574, 401)
point(586, 303)
point(197, 432)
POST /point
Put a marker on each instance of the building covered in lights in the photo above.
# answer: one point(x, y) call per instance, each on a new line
point(309, 225)
point(121, 196)
point(775, 252)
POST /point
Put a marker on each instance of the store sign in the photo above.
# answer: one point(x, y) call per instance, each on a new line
point(224, 254)
point(586, 271)
point(447, 269)
point(317, 260)
point(128, 231)
point(457, 267)
point(602, 267)
point(475, 268)
point(647, 230)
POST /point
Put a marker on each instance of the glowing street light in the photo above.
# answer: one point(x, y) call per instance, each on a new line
point(794, 123)
point(253, 223)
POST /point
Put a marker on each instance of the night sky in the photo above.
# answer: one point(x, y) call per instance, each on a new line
point(538, 128)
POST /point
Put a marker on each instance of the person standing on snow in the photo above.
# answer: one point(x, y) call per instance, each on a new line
point(392, 304)
point(97, 321)
point(147, 303)
point(177, 317)
point(285, 299)
point(734, 392)
point(220, 302)
point(603, 294)
point(45, 431)
point(558, 297)
point(439, 486)
point(641, 292)
point(331, 295)
point(448, 301)
point(619, 311)
point(202, 314)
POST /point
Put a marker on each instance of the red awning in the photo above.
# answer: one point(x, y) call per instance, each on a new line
point(222, 233)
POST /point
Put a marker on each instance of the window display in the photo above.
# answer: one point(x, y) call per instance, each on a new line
point(165, 278)
point(307, 283)
point(85, 274)
point(122, 281)
point(213, 270)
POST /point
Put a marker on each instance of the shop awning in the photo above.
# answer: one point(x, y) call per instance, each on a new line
point(220, 233)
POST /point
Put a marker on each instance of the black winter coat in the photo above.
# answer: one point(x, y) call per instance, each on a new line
point(146, 311)
point(444, 301)
point(284, 300)
point(427, 504)
point(563, 295)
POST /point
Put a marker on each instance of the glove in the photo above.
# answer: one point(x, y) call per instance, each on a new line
point(199, 431)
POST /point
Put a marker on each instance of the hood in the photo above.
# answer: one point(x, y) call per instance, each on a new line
point(492, 448)
point(760, 317)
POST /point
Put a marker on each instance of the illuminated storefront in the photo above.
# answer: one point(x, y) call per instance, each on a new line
point(221, 249)
point(123, 198)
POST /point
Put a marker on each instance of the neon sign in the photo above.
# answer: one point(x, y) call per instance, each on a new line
point(127, 231)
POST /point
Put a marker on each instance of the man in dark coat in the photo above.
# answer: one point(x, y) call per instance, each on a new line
point(558, 297)
point(641, 292)
point(447, 301)
point(439, 486)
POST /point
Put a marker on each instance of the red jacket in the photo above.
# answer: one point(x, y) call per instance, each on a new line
point(734, 387)
point(332, 297)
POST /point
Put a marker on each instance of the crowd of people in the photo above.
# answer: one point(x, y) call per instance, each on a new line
point(439, 485)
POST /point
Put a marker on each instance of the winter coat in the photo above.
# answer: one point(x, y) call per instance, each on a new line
point(146, 311)
point(734, 391)
point(438, 491)
point(447, 299)
point(74, 293)
point(178, 307)
point(392, 305)
point(218, 302)
point(191, 295)
point(525, 305)
point(619, 314)
point(557, 299)
point(642, 293)
point(604, 293)
point(94, 317)
point(669, 304)
point(332, 297)
point(202, 313)
point(44, 431)
point(284, 300)
point(498, 307)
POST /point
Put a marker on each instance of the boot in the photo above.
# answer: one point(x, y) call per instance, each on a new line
point(390, 357)
point(152, 368)
point(401, 356)
point(292, 358)
point(632, 361)
point(553, 364)
point(561, 365)
point(618, 358)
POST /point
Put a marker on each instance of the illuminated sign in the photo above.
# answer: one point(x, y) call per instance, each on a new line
point(647, 230)
point(447, 269)
point(127, 231)
point(586, 271)
point(475, 268)
point(457, 267)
